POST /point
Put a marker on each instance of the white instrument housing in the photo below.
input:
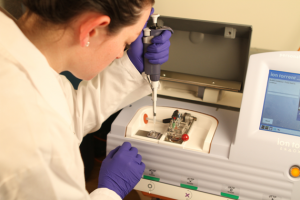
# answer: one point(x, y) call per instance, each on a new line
point(245, 160)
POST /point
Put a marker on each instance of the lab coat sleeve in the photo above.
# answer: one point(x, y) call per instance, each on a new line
point(104, 193)
point(114, 88)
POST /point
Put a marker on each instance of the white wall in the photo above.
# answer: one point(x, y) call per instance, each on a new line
point(275, 23)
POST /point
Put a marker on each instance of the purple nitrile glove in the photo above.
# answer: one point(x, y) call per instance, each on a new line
point(135, 52)
point(158, 51)
point(121, 170)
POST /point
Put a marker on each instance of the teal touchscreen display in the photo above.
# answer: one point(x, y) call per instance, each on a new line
point(281, 110)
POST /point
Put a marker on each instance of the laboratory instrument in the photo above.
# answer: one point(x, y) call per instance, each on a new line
point(153, 70)
point(245, 141)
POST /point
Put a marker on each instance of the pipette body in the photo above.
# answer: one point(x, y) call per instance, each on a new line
point(153, 70)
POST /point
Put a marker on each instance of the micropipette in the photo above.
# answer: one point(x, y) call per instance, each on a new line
point(153, 70)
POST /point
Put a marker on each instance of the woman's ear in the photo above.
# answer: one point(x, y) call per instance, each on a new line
point(90, 24)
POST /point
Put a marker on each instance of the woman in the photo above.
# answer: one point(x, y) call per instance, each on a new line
point(43, 119)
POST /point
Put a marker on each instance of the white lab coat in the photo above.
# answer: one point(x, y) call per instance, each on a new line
point(43, 119)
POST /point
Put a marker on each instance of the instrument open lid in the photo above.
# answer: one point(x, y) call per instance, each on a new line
point(207, 61)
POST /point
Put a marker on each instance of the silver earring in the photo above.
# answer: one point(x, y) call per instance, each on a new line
point(87, 44)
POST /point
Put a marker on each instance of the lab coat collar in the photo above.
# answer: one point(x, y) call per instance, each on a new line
point(43, 77)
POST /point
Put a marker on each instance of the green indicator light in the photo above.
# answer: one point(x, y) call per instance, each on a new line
point(189, 187)
point(229, 195)
point(151, 178)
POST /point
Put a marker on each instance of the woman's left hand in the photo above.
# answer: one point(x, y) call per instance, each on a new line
point(157, 52)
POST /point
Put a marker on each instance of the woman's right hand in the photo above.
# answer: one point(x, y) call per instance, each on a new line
point(121, 170)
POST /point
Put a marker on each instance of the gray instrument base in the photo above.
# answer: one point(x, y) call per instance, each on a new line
point(212, 173)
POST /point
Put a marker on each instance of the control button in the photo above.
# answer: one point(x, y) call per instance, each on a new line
point(185, 137)
point(151, 186)
point(295, 171)
point(187, 195)
point(145, 118)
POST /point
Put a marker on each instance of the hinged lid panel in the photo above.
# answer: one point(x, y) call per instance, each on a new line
point(214, 50)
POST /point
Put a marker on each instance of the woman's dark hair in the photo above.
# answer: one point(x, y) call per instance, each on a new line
point(121, 12)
